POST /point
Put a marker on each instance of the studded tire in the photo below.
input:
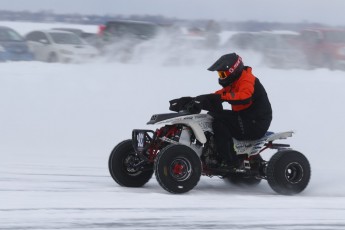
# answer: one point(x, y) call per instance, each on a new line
point(177, 168)
point(119, 164)
point(288, 172)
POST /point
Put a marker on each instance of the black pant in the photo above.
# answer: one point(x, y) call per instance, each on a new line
point(228, 124)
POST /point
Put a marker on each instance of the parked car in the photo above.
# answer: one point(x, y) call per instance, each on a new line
point(78, 32)
point(13, 46)
point(324, 47)
point(90, 38)
point(59, 46)
point(125, 29)
point(126, 33)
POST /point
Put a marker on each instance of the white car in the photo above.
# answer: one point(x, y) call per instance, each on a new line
point(59, 46)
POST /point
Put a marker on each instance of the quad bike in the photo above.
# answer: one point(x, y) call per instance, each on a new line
point(183, 149)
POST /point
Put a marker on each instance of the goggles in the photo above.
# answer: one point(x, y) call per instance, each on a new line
point(222, 74)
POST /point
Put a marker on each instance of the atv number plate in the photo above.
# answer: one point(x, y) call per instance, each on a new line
point(141, 139)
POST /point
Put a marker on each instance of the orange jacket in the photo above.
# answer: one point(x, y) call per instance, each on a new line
point(239, 93)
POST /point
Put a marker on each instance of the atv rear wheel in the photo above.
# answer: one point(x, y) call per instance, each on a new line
point(122, 166)
point(177, 168)
point(288, 172)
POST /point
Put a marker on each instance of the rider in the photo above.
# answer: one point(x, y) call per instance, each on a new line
point(251, 112)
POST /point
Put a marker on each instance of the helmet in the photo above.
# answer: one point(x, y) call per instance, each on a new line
point(229, 67)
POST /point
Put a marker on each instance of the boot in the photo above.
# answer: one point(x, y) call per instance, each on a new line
point(230, 165)
point(230, 159)
point(235, 164)
point(234, 161)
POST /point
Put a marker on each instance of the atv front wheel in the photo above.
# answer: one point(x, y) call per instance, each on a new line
point(123, 166)
point(177, 168)
point(288, 172)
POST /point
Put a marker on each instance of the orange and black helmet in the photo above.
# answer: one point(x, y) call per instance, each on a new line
point(229, 68)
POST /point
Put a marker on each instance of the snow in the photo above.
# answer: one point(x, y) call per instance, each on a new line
point(59, 123)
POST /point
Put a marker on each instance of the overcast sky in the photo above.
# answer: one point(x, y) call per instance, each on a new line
point(324, 11)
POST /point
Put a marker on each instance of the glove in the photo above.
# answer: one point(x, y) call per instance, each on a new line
point(180, 103)
point(194, 107)
point(210, 102)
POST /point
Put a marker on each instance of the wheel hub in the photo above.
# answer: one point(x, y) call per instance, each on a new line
point(129, 164)
point(294, 172)
point(180, 169)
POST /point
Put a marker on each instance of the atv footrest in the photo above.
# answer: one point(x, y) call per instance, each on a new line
point(277, 146)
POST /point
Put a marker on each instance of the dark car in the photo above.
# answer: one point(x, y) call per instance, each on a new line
point(125, 29)
point(119, 39)
point(115, 32)
point(13, 46)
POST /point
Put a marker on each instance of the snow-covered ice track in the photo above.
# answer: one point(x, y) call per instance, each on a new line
point(37, 196)
point(146, 219)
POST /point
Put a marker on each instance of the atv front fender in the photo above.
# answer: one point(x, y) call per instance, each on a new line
point(198, 132)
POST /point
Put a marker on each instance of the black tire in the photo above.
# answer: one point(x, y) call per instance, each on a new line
point(243, 181)
point(288, 172)
point(177, 168)
point(120, 158)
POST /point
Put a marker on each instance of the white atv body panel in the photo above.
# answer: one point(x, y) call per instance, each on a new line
point(252, 147)
point(282, 135)
point(200, 123)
